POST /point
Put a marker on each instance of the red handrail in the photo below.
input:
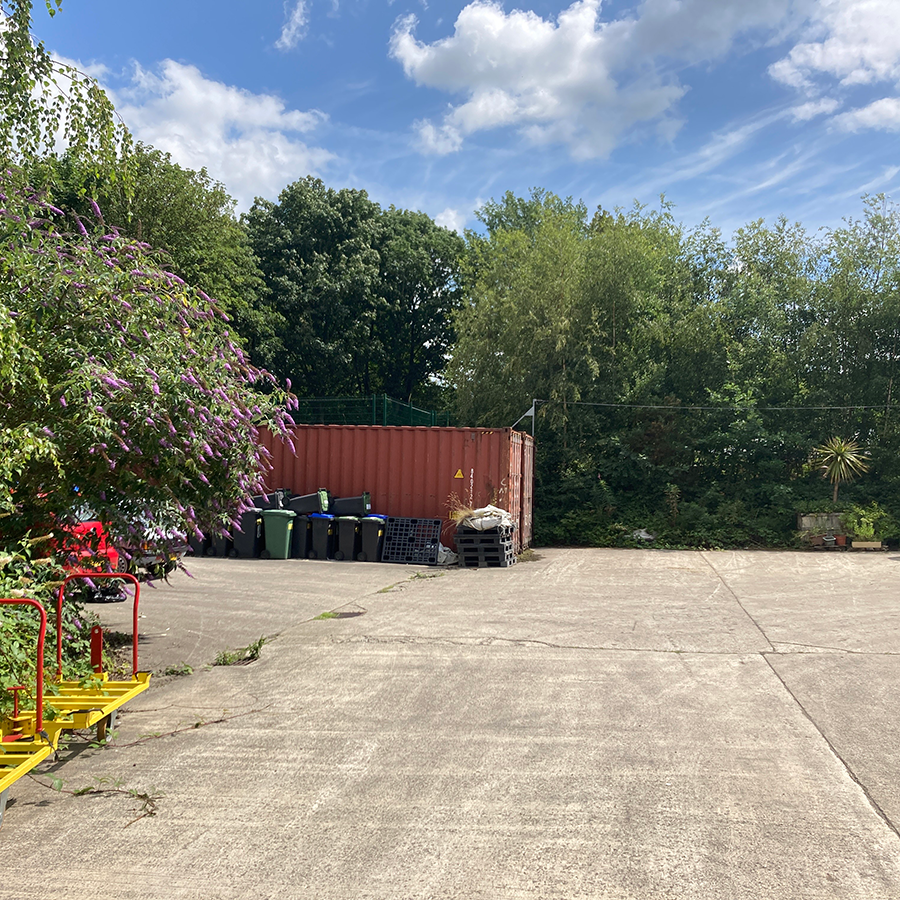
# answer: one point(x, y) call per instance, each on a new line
point(39, 686)
point(93, 576)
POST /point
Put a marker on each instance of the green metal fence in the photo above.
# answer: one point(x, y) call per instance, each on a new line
point(378, 409)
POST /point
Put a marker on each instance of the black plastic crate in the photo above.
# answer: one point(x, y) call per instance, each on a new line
point(483, 539)
point(486, 557)
point(503, 532)
point(411, 541)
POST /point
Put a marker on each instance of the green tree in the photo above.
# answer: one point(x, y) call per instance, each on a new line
point(43, 101)
point(357, 299)
point(527, 328)
point(179, 212)
point(419, 282)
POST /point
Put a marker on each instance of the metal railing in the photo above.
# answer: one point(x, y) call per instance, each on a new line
point(379, 409)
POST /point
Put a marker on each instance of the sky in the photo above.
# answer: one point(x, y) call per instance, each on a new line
point(734, 109)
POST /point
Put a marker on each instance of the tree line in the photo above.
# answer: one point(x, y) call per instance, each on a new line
point(683, 377)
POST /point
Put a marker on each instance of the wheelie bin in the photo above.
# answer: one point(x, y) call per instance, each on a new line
point(322, 545)
point(351, 506)
point(278, 527)
point(248, 535)
point(309, 503)
point(347, 537)
point(300, 539)
point(372, 538)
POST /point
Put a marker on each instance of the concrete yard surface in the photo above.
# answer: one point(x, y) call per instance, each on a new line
point(593, 724)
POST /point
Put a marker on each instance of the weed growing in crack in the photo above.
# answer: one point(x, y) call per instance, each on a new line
point(241, 657)
point(148, 800)
point(178, 669)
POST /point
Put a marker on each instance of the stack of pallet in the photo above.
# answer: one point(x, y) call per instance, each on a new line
point(492, 548)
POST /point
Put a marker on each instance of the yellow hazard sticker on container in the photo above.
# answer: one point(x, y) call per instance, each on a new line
point(459, 474)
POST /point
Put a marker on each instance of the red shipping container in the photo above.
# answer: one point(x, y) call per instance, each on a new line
point(417, 473)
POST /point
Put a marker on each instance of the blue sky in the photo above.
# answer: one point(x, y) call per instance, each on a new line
point(735, 109)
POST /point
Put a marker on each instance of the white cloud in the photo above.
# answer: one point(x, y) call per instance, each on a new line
point(853, 41)
point(294, 29)
point(883, 114)
point(440, 141)
point(247, 141)
point(806, 111)
point(576, 80)
point(452, 219)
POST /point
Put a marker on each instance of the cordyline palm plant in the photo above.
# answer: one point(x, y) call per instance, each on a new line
point(841, 461)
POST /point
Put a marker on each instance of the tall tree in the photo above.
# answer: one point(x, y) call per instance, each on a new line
point(419, 283)
point(357, 299)
point(181, 213)
point(528, 326)
point(44, 102)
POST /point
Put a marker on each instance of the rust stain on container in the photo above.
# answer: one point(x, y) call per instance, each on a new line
point(411, 472)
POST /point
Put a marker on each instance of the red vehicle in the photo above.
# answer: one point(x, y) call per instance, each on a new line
point(91, 546)
point(91, 549)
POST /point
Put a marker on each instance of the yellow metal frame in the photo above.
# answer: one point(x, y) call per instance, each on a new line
point(17, 758)
point(79, 707)
point(28, 737)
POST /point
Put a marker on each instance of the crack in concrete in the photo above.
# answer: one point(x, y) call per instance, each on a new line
point(847, 767)
point(494, 640)
point(773, 652)
point(734, 597)
point(826, 649)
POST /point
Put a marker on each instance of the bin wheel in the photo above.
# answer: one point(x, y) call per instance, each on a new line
point(233, 554)
point(361, 557)
point(339, 555)
point(211, 551)
point(265, 555)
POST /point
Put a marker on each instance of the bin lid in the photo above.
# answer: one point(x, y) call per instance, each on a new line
point(275, 513)
point(378, 516)
point(347, 518)
point(321, 516)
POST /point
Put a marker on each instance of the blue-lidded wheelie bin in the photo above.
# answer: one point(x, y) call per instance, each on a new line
point(322, 543)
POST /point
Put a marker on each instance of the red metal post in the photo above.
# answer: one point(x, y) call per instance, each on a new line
point(93, 576)
point(97, 649)
point(39, 675)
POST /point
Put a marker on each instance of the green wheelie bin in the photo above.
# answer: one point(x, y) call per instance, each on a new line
point(279, 526)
